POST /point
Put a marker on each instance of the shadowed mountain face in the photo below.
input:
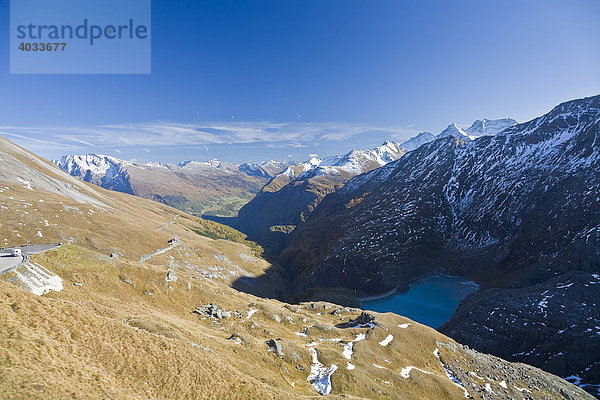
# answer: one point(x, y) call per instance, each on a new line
point(289, 199)
point(517, 212)
point(209, 187)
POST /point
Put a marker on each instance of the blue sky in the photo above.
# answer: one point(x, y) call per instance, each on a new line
point(256, 80)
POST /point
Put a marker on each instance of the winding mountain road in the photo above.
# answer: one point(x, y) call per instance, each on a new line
point(8, 262)
point(174, 243)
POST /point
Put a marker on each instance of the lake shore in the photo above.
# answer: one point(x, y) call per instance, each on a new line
point(406, 287)
point(380, 296)
point(430, 299)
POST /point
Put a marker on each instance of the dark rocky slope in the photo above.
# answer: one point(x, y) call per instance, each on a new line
point(289, 198)
point(518, 212)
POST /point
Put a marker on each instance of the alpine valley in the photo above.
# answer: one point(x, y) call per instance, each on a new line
point(211, 187)
point(156, 301)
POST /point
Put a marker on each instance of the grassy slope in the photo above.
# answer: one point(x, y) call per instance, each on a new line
point(110, 339)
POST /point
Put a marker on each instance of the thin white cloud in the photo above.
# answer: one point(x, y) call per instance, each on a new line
point(75, 139)
point(176, 134)
point(38, 145)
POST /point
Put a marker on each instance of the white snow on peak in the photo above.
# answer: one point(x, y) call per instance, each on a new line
point(289, 172)
point(417, 141)
point(312, 163)
point(489, 127)
point(196, 166)
point(107, 166)
point(387, 152)
point(481, 127)
point(354, 162)
point(97, 164)
point(454, 130)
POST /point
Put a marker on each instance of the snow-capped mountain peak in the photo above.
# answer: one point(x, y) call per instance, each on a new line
point(481, 127)
point(489, 127)
point(389, 151)
point(456, 131)
point(266, 169)
point(354, 162)
point(417, 141)
point(94, 163)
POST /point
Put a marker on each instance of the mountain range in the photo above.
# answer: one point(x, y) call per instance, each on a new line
point(517, 212)
point(289, 199)
point(220, 189)
point(211, 187)
point(513, 207)
point(146, 309)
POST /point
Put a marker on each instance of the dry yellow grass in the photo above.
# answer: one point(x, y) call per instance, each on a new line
point(56, 349)
point(110, 339)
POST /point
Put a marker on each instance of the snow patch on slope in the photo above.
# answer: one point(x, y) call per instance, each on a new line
point(320, 376)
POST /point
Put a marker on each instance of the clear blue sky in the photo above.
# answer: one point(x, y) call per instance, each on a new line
point(253, 80)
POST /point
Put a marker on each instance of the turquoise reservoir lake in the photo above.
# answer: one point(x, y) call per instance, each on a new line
point(430, 301)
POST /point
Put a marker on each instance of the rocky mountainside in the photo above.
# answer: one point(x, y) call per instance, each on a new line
point(291, 196)
point(211, 187)
point(517, 212)
point(147, 310)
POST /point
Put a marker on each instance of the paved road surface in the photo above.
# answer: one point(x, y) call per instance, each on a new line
point(8, 262)
point(174, 243)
